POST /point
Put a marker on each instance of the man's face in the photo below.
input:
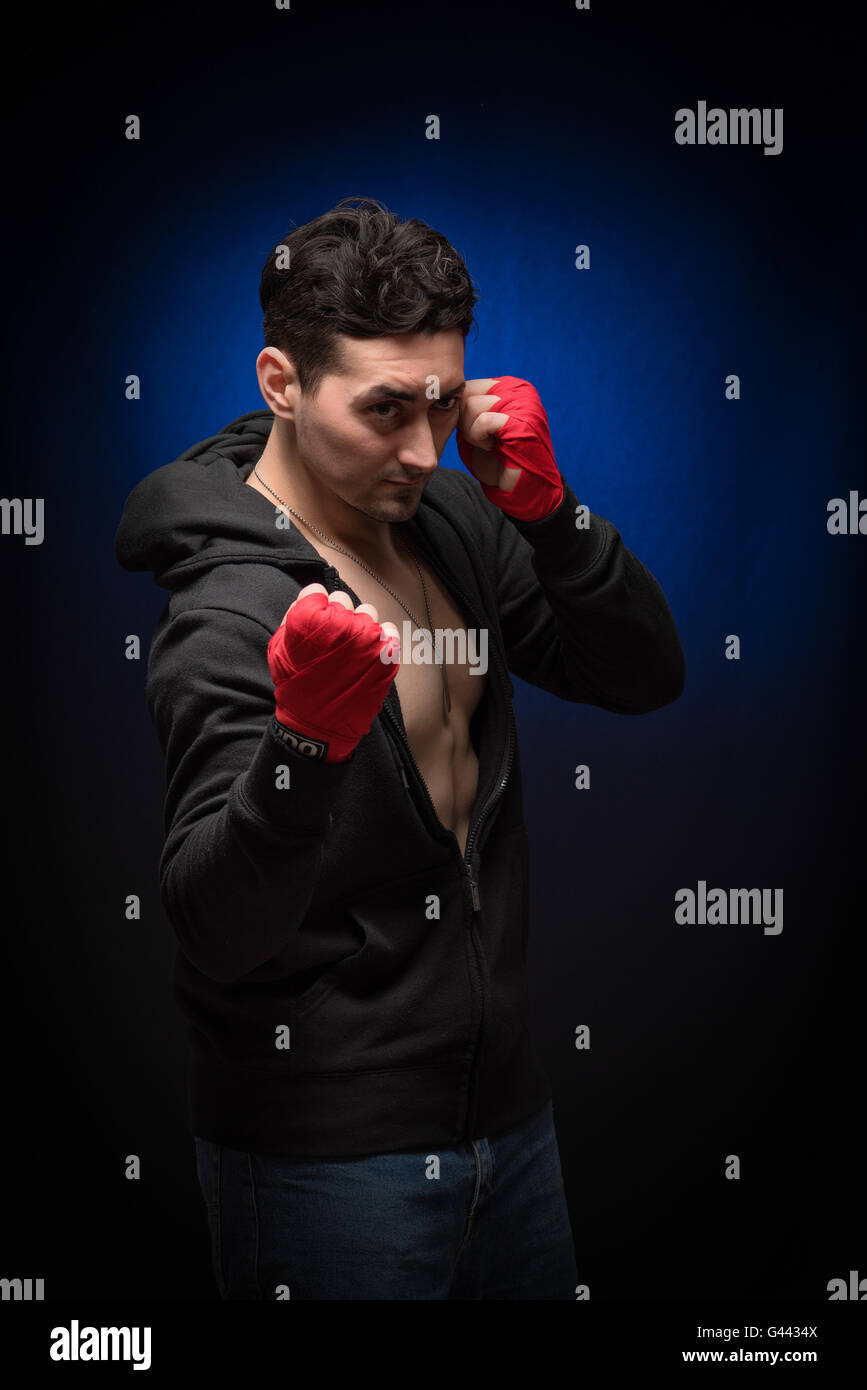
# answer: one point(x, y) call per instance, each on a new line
point(374, 433)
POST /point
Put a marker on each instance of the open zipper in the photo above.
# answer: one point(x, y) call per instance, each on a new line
point(475, 826)
point(506, 763)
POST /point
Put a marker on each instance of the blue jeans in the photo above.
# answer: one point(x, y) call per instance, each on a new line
point(485, 1220)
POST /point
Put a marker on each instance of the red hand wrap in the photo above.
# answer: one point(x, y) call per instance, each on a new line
point(524, 442)
point(329, 679)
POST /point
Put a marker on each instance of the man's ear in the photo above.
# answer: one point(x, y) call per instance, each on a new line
point(277, 377)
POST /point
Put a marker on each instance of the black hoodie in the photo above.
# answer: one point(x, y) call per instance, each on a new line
point(351, 983)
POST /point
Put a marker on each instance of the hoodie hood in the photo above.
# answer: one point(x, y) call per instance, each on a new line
point(197, 512)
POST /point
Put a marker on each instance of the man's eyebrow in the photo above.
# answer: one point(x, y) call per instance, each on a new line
point(384, 389)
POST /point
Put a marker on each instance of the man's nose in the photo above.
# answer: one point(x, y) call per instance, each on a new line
point(418, 450)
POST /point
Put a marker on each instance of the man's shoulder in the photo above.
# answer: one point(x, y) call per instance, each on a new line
point(453, 483)
point(256, 590)
point(457, 495)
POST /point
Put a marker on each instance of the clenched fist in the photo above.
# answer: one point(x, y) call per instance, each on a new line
point(509, 448)
point(332, 667)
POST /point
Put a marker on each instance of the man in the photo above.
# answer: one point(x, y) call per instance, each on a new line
point(346, 862)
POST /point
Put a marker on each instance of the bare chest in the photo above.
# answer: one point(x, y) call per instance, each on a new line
point(456, 649)
point(440, 740)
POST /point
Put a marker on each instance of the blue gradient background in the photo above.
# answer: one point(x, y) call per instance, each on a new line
point(145, 258)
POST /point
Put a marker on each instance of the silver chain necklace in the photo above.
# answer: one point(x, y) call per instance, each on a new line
point(447, 703)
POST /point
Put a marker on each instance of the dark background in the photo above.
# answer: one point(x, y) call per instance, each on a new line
point(557, 129)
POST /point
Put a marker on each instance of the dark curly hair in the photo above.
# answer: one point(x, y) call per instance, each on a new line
point(361, 271)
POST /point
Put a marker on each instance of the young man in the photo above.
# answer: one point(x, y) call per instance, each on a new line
point(345, 864)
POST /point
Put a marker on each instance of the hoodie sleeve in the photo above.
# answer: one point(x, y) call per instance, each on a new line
point(242, 854)
point(581, 616)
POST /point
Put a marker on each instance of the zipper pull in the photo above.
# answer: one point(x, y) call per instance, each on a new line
point(477, 904)
point(403, 777)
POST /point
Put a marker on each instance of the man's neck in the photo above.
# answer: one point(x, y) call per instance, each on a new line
point(373, 541)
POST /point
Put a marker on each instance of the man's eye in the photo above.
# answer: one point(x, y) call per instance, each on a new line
point(443, 405)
